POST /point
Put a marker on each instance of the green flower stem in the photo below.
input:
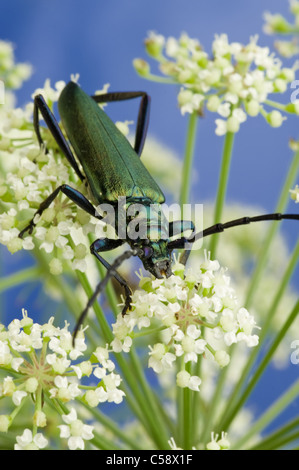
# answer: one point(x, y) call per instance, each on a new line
point(220, 200)
point(270, 414)
point(146, 399)
point(274, 440)
point(157, 78)
point(150, 402)
point(263, 254)
point(185, 413)
point(106, 331)
point(25, 275)
point(222, 186)
point(111, 425)
point(185, 395)
point(265, 328)
point(262, 259)
point(188, 158)
point(38, 405)
point(142, 410)
point(208, 425)
point(274, 104)
point(98, 441)
point(102, 443)
point(226, 421)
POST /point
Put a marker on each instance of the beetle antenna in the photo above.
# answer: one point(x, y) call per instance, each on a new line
point(101, 285)
point(217, 228)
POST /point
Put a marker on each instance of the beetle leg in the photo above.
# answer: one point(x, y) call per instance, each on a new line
point(110, 273)
point(106, 244)
point(143, 113)
point(72, 194)
point(50, 120)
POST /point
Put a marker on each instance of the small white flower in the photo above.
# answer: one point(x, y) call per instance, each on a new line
point(184, 379)
point(160, 359)
point(64, 390)
point(75, 431)
point(221, 128)
point(18, 396)
point(29, 442)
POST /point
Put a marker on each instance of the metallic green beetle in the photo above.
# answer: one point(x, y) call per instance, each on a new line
point(114, 174)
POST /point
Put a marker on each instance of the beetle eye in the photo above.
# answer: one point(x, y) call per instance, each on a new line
point(148, 251)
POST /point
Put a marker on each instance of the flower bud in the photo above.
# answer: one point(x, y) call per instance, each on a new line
point(40, 419)
point(182, 378)
point(31, 385)
point(142, 67)
point(252, 108)
point(275, 118)
point(222, 358)
point(233, 124)
point(154, 45)
point(5, 422)
point(55, 266)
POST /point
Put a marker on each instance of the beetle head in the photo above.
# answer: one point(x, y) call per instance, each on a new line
point(156, 258)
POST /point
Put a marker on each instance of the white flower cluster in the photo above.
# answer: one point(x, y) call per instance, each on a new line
point(11, 73)
point(180, 306)
point(278, 24)
point(40, 359)
point(29, 176)
point(234, 83)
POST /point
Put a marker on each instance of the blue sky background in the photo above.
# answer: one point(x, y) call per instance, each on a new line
point(99, 39)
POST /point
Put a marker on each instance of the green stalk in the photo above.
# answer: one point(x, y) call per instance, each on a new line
point(25, 275)
point(270, 414)
point(212, 409)
point(135, 380)
point(265, 328)
point(142, 410)
point(260, 370)
point(222, 186)
point(188, 159)
point(220, 200)
point(185, 396)
point(263, 254)
point(185, 412)
point(273, 441)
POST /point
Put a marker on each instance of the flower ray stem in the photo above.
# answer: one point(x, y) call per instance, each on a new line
point(188, 159)
point(222, 187)
point(141, 410)
point(24, 275)
point(185, 413)
point(265, 328)
point(270, 414)
point(136, 380)
point(227, 420)
point(263, 253)
point(212, 408)
point(274, 440)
